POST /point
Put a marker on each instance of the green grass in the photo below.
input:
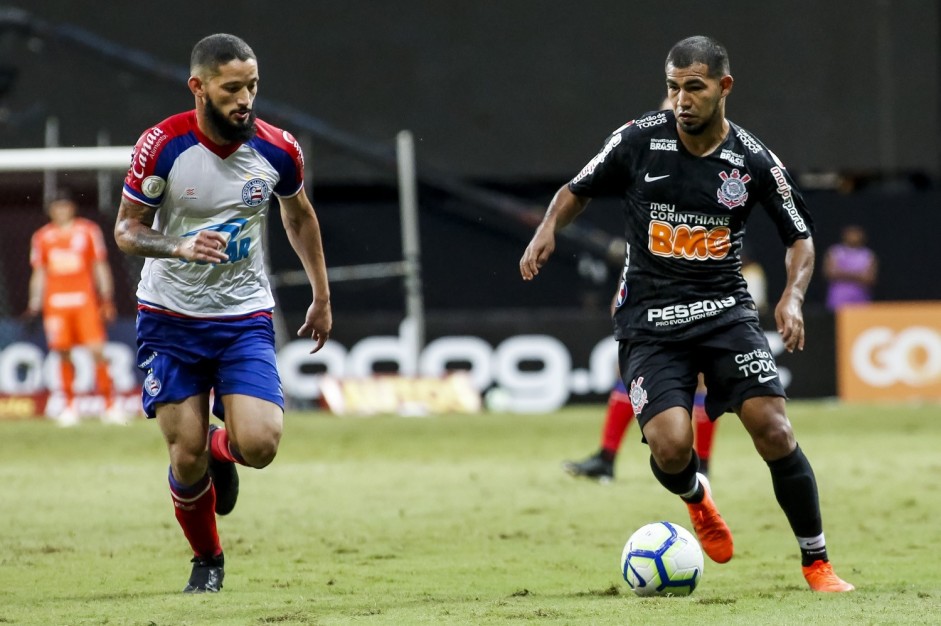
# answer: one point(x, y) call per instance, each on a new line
point(462, 520)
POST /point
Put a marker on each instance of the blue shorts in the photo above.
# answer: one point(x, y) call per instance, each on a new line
point(185, 357)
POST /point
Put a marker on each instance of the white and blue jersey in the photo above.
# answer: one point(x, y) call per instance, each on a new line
point(195, 185)
point(207, 326)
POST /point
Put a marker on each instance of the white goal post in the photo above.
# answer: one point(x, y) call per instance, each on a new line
point(44, 159)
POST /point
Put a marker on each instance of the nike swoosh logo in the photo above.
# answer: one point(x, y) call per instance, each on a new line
point(648, 178)
point(764, 379)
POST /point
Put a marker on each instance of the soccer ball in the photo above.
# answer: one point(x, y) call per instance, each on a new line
point(662, 559)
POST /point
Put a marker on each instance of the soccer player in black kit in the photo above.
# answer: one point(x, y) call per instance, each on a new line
point(689, 179)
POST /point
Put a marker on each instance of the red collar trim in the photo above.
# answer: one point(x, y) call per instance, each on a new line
point(221, 151)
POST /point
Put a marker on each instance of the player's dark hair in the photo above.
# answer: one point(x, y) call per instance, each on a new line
point(62, 195)
point(215, 50)
point(700, 49)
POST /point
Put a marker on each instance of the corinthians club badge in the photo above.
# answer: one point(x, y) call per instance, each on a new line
point(732, 192)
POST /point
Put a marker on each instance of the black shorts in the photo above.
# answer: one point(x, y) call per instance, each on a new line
point(735, 361)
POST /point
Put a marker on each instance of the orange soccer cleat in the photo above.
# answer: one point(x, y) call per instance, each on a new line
point(713, 533)
point(821, 577)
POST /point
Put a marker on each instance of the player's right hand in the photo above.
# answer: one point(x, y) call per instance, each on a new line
point(207, 246)
point(108, 311)
point(317, 324)
point(537, 253)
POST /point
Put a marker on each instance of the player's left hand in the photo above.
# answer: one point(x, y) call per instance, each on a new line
point(790, 322)
point(537, 253)
point(317, 324)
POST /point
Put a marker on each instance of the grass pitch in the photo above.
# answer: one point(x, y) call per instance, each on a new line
point(462, 520)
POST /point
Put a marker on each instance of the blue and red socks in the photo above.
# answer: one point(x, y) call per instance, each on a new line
point(704, 431)
point(195, 507)
point(616, 422)
point(221, 449)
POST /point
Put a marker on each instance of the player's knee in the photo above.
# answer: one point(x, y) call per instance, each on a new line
point(671, 457)
point(189, 464)
point(260, 452)
point(775, 439)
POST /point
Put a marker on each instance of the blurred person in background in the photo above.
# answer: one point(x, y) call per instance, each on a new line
point(755, 280)
point(195, 204)
point(689, 179)
point(851, 269)
point(72, 287)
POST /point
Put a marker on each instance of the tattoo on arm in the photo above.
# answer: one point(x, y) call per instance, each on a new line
point(135, 235)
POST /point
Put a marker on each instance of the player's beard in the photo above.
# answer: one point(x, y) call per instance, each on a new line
point(700, 128)
point(226, 129)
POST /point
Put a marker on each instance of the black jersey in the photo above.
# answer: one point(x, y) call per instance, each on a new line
point(685, 217)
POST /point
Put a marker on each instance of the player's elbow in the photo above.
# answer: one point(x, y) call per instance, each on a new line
point(123, 237)
point(120, 236)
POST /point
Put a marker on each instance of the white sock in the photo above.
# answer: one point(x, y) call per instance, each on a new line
point(812, 544)
point(691, 493)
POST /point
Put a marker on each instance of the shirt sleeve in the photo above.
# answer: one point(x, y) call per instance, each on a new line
point(98, 247)
point(606, 173)
point(783, 202)
point(146, 178)
point(281, 149)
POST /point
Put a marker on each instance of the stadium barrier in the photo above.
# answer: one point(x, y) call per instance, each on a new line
point(520, 361)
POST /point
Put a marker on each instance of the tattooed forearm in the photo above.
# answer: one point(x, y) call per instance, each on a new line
point(143, 241)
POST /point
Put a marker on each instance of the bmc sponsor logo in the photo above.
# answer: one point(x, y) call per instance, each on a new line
point(663, 144)
point(688, 242)
point(689, 312)
point(147, 147)
point(598, 158)
point(787, 198)
point(748, 141)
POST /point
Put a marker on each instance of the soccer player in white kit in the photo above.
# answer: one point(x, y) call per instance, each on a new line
point(195, 201)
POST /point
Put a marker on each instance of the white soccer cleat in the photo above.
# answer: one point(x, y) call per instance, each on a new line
point(114, 415)
point(67, 418)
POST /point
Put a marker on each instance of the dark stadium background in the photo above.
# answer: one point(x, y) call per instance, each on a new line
point(511, 98)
